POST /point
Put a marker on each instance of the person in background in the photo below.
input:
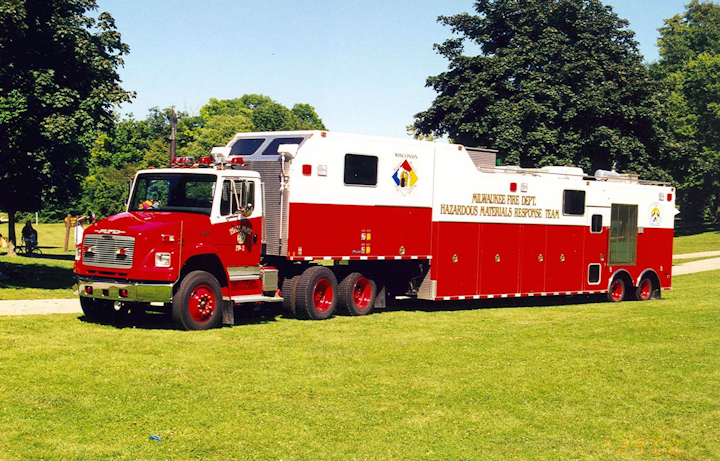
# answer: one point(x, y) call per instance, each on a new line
point(3, 276)
point(29, 235)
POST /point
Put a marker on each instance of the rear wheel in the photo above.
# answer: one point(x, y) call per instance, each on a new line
point(357, 294)
point(288, 290)
point(198, 303)
point(644, 290)
point(617, 290)
point(98, 310)
point(316, 294)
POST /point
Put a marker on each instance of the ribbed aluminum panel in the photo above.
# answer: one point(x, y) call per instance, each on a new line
point(482, 158)
point(113, 251)
point(275, 205)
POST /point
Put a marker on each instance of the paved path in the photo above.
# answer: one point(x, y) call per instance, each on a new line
point(40, 306)
point(72, 306)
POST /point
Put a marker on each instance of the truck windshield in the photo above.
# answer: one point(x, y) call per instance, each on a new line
point(189, 193)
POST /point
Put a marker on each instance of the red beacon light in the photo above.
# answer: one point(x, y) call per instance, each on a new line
point(237, 161)
point(205, 161)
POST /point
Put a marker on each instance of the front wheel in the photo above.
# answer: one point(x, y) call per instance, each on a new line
point(197, 305)
point(316, 294)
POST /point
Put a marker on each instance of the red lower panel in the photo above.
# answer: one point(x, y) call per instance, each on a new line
point(527, 260)
point(319, 231)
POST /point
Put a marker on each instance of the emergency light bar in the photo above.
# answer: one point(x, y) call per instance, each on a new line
point(183, 161)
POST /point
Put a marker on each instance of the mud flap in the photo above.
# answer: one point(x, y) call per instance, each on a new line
point(228, 314)
point(380, 299)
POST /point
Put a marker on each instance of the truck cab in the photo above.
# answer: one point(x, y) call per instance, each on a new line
point(189, 242)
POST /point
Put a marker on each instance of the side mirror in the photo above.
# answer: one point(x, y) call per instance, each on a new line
point(248, 198)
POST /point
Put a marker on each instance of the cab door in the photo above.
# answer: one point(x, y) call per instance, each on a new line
point(238, 228)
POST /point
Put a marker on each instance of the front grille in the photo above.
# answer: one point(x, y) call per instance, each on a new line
point(115, 251)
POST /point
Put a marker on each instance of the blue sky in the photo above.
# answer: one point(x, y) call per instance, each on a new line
point(361, 64)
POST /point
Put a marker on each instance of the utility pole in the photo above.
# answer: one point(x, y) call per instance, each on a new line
point(173, 134)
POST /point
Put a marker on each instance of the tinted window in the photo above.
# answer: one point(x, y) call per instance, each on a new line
point(272, 149)
point(246, 147)
point(574, 202)
point(361, 170)
point(596, 224)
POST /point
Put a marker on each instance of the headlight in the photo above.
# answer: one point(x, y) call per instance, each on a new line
point(162, 259)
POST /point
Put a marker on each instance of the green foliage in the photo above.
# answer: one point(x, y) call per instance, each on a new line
point(220, 120)
point(688, 68)
point(118, 153)
point(549, 82)
point(59, 83)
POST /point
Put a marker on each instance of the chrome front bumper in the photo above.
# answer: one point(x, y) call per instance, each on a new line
point(125, 291)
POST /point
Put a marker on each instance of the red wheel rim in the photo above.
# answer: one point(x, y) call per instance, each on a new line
point(323, 295)
point(645, 289)
point(202, 303)
point(617, 290)
point(362, 291)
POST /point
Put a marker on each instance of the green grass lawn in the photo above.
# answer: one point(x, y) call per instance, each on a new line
point(41, 277)
point(705, 241)
point(591, 381)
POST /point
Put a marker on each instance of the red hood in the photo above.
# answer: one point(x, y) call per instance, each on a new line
point(137, 223)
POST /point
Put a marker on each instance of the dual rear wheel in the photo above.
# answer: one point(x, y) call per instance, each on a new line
point(316, 294)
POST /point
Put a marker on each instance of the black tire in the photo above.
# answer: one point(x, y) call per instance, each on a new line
point(618, 290)
point(97, 310)
point(316, 294)
point(288, 292)
point(357, 294)
point(645, 290)
point(198, 303)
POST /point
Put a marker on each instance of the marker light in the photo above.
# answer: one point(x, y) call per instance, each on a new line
point(669, 197)
point(513, 187)
point(307, 170)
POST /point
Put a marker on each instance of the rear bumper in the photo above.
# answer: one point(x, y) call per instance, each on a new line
point(124, 291)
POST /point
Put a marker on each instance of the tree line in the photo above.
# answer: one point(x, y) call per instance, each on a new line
point(543, 81)
point(561, 82)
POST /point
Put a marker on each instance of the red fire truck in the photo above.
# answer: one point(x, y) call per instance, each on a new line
point(323, 220)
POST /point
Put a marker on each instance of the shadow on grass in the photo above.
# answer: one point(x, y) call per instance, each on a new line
point(37, 276)
point(150, 320)
point(685, 229)
point(55, 257)
point(271, 312)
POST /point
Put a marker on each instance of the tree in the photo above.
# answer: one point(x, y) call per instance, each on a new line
point(220, 120)
point(58, 84)
point(552, 82)
point(118, 153)
point(689, 68)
